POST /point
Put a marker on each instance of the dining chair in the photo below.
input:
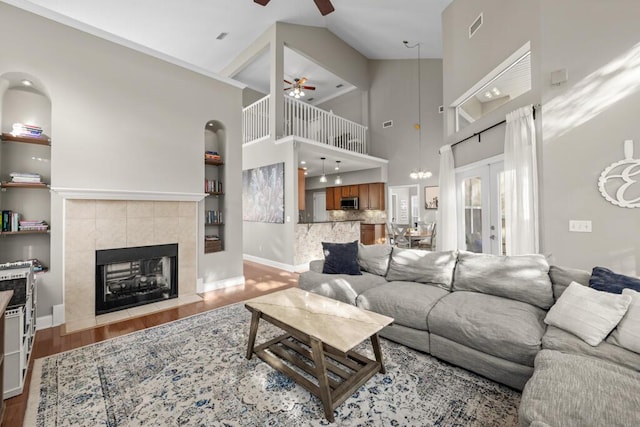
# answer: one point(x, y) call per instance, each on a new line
point(400, 232)
point(429, 242)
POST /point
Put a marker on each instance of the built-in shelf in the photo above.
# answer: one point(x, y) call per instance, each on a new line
point(212, 162)
point(41, 140)
point(23, 185)
point(3, 233)
point(215, 193)
point(213, 224)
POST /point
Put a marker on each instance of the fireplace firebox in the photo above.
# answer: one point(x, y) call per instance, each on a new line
point(129, 277)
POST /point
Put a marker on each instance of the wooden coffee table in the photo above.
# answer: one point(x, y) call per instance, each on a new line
point(320, 335)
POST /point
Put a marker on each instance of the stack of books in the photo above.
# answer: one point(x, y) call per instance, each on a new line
point(212, 186)
point(10, 221)
point(212, 155)
point(24, 177)
point(213, 217)
point(21, 129)
point(33, 225)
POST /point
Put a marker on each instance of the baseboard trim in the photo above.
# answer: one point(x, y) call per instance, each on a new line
point(44, 322)
point(219, 284)
point(287, 267)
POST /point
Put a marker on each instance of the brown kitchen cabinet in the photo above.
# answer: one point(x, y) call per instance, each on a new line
point(330, 205)
point(377, 196)
point(371, 234)
point(363, 196)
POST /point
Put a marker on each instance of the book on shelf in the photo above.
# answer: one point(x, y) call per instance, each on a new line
point(33, 225)
point(24, 177)
point(22, 129)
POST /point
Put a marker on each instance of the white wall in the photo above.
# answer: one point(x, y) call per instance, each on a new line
point(274, 242)
point(585, 122)
point(122, 120)
point(586, 37)
point(394, 96)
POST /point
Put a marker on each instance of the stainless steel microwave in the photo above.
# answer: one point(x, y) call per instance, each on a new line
point(349, 203)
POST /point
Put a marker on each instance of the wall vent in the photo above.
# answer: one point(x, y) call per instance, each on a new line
point(222, 36)
point(473, 28)
point(387, 124)
point(339, 85)
point(310, 99)
point(441, 109)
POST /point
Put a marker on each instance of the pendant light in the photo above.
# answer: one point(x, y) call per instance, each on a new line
point(419, 173)
point(323, 178)
point(338, 180)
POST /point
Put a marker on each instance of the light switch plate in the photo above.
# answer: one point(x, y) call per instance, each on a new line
point(580, 226)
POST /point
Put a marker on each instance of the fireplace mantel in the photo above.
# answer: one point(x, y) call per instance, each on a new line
point(106, 194)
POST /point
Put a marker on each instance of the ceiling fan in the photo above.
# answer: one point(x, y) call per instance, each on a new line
point(324, 6)
point(297, 86)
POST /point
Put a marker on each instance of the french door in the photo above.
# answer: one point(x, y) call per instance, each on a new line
point(480, 193)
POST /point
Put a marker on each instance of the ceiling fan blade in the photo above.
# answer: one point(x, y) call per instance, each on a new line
point(288, 82)
point(262, 2)
point(308, 87)
point(324, 6)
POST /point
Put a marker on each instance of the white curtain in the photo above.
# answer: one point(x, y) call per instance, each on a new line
point(447, 225)
point(521, 183)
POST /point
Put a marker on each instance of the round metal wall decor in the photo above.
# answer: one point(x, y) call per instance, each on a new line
point(619, 183)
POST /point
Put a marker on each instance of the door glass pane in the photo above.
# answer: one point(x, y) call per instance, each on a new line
point(472, 196)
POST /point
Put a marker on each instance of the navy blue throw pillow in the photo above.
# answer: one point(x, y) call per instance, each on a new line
point(341, 258)
point(603, 279)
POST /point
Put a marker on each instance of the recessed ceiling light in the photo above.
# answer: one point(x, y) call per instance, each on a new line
point(26, 82)
point(304, 168)
point(302, 162)
point(209, 124)
point(222, 36)
point(488, 94)
point(496, 91)
point(306, 173)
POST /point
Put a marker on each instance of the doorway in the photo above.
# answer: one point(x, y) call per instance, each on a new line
point(480, 203)
point(319, 206)
point(404, 204)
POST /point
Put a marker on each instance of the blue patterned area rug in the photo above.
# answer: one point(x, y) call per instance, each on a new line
point(193, 372)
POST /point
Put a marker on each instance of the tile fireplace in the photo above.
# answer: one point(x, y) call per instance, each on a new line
point(129, 277)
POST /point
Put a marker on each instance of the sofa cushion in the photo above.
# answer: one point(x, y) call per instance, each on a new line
point(523, 277)
point(627, 333)
point(340, 258)
point(576, 391)
point(587, 313)
point(603, 279)
point(561, 278)
point(558, 339)
point(374, 258)
point(343, 287)
point(415, 265)
point(501, 327)
point(408, 303)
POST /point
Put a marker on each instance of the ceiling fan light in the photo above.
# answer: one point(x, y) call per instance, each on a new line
point(291, 93)
point(301, 93)
point(297, 96)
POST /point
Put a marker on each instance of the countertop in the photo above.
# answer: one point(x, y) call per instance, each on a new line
point(329, 222)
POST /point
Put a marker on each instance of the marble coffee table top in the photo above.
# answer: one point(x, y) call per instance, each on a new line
point(340, 325)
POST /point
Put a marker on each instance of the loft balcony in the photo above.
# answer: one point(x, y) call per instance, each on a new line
point(304, 121)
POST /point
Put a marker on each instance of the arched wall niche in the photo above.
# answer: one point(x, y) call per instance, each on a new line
point(215, 142)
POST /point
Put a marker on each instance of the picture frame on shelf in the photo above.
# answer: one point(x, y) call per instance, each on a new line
point(431, 197)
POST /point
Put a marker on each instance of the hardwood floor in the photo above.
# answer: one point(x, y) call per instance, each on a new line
point(259, 280)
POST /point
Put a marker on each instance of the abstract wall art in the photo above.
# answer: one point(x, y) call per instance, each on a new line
point(263, 194)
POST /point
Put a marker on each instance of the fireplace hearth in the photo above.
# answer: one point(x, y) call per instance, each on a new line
point(129, 277)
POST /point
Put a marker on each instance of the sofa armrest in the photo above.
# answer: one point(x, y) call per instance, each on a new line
point(316, 265)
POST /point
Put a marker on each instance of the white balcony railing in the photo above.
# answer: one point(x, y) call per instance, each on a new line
point(255, 120)
point(305, 121)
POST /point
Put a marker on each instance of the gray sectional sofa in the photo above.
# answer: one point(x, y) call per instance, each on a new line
point(486, 314)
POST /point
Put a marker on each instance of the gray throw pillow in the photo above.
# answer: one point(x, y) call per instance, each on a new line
point(374, 258)
point(587, 313)
point(627, 333)
point(415, 265)
point(521, 277)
